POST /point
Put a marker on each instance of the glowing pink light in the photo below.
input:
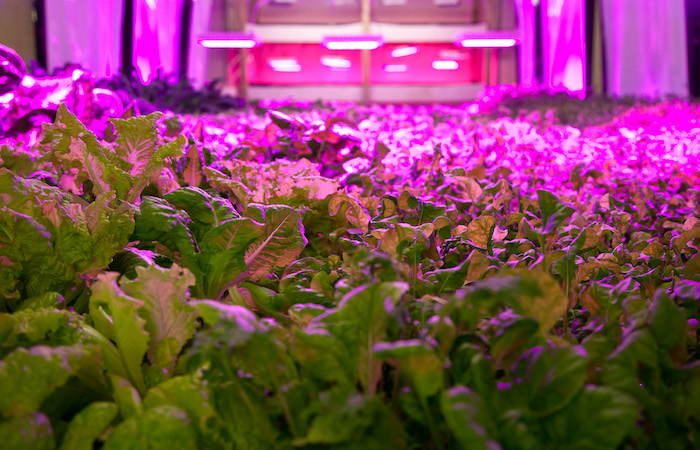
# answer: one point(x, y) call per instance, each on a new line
point(284, 65)
point(500, 43)
point(230, 40)
point(336, 63)
point(228, 43)
point(352, 42)
point(489, 39)
point(394, 68)
point(404, 51)
point(445, 65)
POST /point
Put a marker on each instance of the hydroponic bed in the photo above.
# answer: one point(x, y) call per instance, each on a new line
point(342, 276)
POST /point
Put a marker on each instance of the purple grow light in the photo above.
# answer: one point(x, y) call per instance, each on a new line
point(232, 39)
point(352, 42)
point(489, 39)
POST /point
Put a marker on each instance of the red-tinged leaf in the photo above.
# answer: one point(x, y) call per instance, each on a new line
point(192, 175)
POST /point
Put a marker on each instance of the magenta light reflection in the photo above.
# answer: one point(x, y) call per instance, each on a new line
point(28, 81)
point(336, 63)
point(445, 65)
point(395, 68)
point(284, 65)
point(352, 42)
point(404, 51)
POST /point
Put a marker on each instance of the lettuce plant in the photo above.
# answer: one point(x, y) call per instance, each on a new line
point(349, 276)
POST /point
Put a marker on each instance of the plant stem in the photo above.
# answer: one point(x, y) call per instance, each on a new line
point(431, 424)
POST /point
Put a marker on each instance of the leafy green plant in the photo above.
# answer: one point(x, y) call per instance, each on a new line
point(158, 291)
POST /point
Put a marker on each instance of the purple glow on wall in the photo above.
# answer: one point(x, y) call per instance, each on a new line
point(335, 62)
point(404, 51)
point(395, 68)
point(525, 11)
point(645, 48)
point(156, 29)
point(84, 32)
point(284, 65)
point(564, 45)
point(384, 68)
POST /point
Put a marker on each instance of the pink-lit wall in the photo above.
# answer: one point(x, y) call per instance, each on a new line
point(525, 10)
point(344, 67)
point(86, 32)
point(156, 36)
point(645, 47)
point(564, 45)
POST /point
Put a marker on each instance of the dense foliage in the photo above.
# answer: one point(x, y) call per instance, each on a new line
point(351, 277)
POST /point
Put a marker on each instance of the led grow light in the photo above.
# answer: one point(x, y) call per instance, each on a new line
point(233, 39)
point(336, 63)
point(395, 68)
point(404, 51)
point(352, 42)
point(489, 39)
point(447, 64)
point(284, 65)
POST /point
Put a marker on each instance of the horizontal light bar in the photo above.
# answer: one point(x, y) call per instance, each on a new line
point(488, 43)
point(395, 68)
point(488, 39)
point(336, 63)
point(352, 42)
point(284, 65)
point(234, 39)
point(445, 65)
point(404, 51)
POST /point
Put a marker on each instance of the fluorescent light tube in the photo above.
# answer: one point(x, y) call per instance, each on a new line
point(488, 39)
point(234, 39)
point(352, 42)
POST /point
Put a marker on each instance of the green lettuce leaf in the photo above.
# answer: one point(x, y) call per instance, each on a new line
point(88, 425)
point(170, 320)
point(130, 334)
point(598, 417)
point(30, 432)
point(191, 396)
point(163, 427)
point(359, 322)
point(28, 376)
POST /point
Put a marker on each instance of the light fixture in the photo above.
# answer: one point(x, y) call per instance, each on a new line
point(445, 64)
point(365, 42)
point(230, 39)
point(395, 68)
point(284, 65)
point(404, 51)
point(336, 63)
point(488, 39)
